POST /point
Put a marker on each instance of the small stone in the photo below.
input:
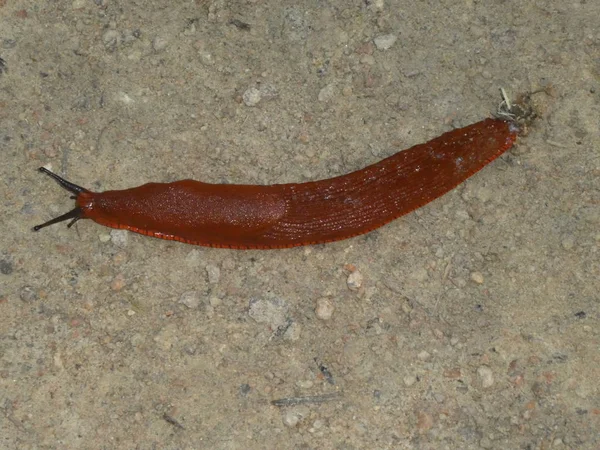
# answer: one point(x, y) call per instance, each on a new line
point(483, 194)
point(409, 380)
point(486, 376)
point(215, 301)
point(292, 417)
point(191, 299)
point(385, 41)
point(268, 91)
point(28, 294)
point(327, 93)
point(119, 238)
point(424, 356)
point(421, 275)
point(214, 273)
point(324, 309)
point(6, 266)
point(568, 242)
point(110, 39)
point(424, 422)
point(251, 97)
point(305, 384)
point(159, 44)
point(118, 282)
point(293, 332)
point(355, 280)
point(485, 442)
point(207, 58)
point(367, 60)
point(270, 311)
point(477, 277)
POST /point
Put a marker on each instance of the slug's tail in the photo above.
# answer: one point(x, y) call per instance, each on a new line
point(76, 213)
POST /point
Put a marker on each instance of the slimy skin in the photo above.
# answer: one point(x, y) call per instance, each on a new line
point(241, 216)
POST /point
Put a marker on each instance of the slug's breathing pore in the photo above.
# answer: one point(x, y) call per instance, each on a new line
point(290, 215)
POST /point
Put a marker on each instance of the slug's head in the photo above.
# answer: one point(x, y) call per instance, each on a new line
point(75, 214)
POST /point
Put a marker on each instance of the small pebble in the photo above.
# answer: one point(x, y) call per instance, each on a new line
point(268, 91)
point(568, 242)
point(486, 376)
point(355, 280)
point(214, 273)
point(326, 93)
point(324, 309)
point(292, 417)
point(118, 282)
point(119, 238)
point(207, 58)
point(6, 266)
point(483, 194)
point(305, 384)
point(270, 311)
point(159, 44)
point(421, 275)
point(191, 299)
point(110, 39)
point(293, 332)
point(477, 277)
point(409, 380)
point(385, 41)
point(424, 421)
point(424, 356)
point(251, 97)
point(28, 294)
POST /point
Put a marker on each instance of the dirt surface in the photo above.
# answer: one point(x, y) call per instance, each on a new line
point(471, 323)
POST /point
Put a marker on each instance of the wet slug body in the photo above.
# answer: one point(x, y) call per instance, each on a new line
point(295, 214)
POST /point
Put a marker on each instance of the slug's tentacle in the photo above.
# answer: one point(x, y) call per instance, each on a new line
point(71, 187)
point(76, 213)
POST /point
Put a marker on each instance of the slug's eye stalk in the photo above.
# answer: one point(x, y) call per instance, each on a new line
point(74, 214)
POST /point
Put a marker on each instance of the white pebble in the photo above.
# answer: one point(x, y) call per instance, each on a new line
point(568, 242)
point(385, 41)
point(324, 309)
point(292, 417)
point(486, 376)
point(424, 356)
point(270, 311)
point(159, 44)
point(110, 38)
point(477, 277)
point(409, 380)
point(191, 299)
point(326, 93)
point(214, 273)
point(251, 97)
point(207, 58)
point(119, 238)
point(355, 280)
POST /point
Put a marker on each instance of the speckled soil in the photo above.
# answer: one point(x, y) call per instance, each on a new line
point(471, 323)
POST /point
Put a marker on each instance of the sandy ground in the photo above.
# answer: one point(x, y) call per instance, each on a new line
point(473, 322)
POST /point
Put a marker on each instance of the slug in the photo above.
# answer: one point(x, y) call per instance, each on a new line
point(289, 215)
